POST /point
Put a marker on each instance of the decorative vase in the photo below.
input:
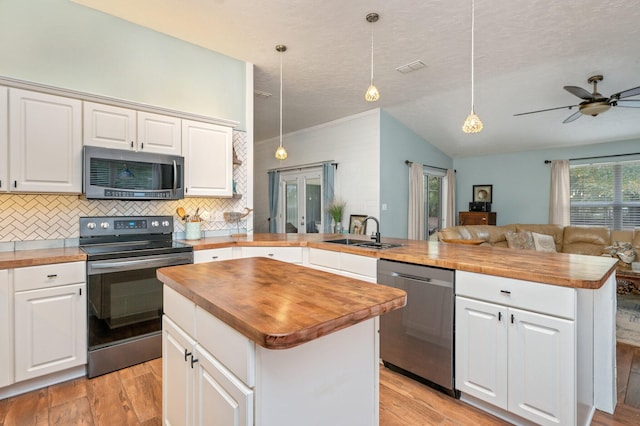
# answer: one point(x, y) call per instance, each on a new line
point(192, 231)
point(337, 229)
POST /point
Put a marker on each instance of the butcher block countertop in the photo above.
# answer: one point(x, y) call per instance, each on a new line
point(280, 305)
point(562, 269)
point(22, 258)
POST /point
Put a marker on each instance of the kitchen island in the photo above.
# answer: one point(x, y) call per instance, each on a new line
point(259, 341)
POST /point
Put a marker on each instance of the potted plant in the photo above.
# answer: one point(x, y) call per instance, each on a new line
point(336, 209)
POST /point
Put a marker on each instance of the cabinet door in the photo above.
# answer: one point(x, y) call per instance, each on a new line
point(542, 378)
point(159, 133)
point(109, 126)
point(177, 375)
point(50, 330)
point(481, 350)
point(4, 137)
point(45, 142)
point(208, 157)
point(6, 343)
point(221, 399)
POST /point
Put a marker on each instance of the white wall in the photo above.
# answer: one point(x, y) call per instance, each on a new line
point(352, 142)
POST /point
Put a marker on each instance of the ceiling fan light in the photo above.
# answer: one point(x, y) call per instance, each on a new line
point(472, 124)
point(594, 108)
point(372, 93)
point(281, 153)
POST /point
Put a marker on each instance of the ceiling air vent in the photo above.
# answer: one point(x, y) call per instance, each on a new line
point(411, 66)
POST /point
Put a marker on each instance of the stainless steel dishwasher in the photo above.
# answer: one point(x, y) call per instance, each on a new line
point(417, 340)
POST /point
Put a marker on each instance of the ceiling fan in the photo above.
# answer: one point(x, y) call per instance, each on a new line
point(594, 103)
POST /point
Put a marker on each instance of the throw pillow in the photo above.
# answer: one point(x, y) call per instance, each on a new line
point(544, 242)
point(520, 240)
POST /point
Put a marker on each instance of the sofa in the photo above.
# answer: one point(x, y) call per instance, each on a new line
point(594, 241)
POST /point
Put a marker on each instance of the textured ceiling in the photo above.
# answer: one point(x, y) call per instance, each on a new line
point(526, 51)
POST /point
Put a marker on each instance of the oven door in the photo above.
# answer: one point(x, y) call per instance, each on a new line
point(125, 298)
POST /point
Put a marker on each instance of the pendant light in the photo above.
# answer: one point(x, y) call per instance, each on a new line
point(372, 93)
point(472, 124)
point(281, 153)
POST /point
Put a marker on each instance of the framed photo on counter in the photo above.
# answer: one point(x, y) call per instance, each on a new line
point(356, 225)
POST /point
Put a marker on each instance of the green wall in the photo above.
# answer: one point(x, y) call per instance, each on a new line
point(398, 144)
point(63, 44)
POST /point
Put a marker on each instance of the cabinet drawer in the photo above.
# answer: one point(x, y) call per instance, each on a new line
point(326, 258)
point(181, 310)
point(212, 255)
point(532, 296)
point(361, 265)
point(231, 348)
point(44, 276)
point(285, 254)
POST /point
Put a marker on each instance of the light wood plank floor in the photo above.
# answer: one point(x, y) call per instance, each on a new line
point(133, 396)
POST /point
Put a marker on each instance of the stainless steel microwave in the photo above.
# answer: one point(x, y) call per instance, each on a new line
point(117, 174)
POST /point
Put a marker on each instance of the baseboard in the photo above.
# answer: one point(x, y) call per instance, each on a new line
point(42, 382)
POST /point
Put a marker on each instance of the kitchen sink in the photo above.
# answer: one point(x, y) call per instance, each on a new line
point(363, 243)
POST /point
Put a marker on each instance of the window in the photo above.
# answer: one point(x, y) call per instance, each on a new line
point(606, 194)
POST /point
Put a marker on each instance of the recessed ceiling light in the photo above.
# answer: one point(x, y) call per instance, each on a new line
point(261, 94)
point(411, 66)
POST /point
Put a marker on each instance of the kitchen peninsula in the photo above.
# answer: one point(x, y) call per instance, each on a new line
point(269, 340)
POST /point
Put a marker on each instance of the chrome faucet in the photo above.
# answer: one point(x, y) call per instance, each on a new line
point(374, 235)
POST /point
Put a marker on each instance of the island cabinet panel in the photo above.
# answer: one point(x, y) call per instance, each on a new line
point(520, 361)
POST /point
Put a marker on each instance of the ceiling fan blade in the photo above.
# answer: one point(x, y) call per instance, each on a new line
point(628, 103)
point(573, 117)
point(543, 110)
point(579, 92)
point(627, 93)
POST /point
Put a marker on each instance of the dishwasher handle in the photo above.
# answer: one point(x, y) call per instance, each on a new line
point(425, 280)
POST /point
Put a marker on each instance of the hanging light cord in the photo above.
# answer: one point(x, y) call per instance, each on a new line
point(281, 99)
point(371, 55)
point(472, 52)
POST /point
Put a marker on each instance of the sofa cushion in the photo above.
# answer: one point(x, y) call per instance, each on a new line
point(556, 231)
point(590, 240)
point(635, 242)
point(493, 235)
point(543, 242)
point(520, 240)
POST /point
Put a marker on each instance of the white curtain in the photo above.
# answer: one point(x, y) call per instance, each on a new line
point(415, 229)
point(450, 207)
point(560, 194)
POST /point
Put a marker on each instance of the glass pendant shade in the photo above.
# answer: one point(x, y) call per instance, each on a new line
point(372, 94)
point(472, 124)
point(281, 153)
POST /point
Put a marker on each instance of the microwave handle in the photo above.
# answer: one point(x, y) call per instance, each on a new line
point(175, 177)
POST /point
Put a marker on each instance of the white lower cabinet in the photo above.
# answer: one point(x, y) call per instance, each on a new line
point(346, 264)
point(212, 255)
point(49, 319)
point(519, 361)
point(285, 254)
point(6, 343)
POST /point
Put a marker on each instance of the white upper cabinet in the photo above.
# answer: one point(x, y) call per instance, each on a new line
point(122, 128)
point(208, 157)
point(4, 138)
point(45, 143)
point(159, 133)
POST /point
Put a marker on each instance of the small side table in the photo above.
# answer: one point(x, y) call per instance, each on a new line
point(625, 276)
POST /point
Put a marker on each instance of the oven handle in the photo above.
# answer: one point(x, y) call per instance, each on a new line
point(102, 267)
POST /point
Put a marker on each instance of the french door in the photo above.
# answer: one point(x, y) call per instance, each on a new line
point(300, 204)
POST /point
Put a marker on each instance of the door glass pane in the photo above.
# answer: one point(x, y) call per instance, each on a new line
point(433, 205)
point(313, 205)
point(291, 207)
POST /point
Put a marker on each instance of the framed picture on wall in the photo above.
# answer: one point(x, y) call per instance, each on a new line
point(357, 224)
point(482, 193)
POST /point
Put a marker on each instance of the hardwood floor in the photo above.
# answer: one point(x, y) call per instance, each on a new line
point(133, 396)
